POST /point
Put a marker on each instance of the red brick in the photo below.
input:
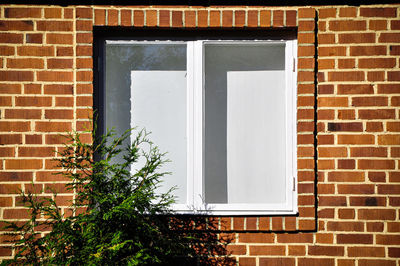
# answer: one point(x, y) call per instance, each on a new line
point(355, 89)
point(33, 139)
point(177, 20)
point(53, 126)
point(65, 51)
point(331, 201)
point(58, 89)
point(84, 50)
point(378, 25)
point(23, 114)
point(349, 127)
point(294, 238)
point(377, 114)
point(394, 252)
point(367, 50)
point(346, 214)
point(276, 261)
point(265, 18)
point(65, 101)
point(376, 164)
point(17, 25)
point(33, 101)
point(345, 226)
point(366, 251)
point(357, 38)
point(32, 88)
point(52, 12)
point(368, 152)
point(243, 261)
point(151, 18)
point(377, 63)
point(325, 250)
point(59, 114)
point(56, 63)
point(306, 13)
point(19, 164)
point(326, 38)
point(35, 51)
point(277, 18)
point(354, 25)
point(7, 152)
point(56, 188)
point(369, 101)
point(315, 262)
point(240, 18)
point(356, 189)
point(164, 18)
point(112, 17)
point(339, 176)
point(190, 18)
point(388, 239)
point(388, 88)
point(16, 214)
point(388, 189)
point(59, 38)
point(7, 50)
point(348, 12)
point(376, 76)
point(378, 12)
point(367, 201)
point(252, 18)
point(7, 126)
point(227, 18)
point(389, 37)
point(267, 250)
point(306, 25)
point(371, 262)
point(25, 63)
point(346, 76)
point(236, 249)
point(34, 38)
point(377, 214)
point(54, 25)
point(16, 75)
point(84, 25)
point(84, 76)
point(84, 12)
point(346, 63)
point(126, 18)
point(23, 12)
point(100, 17)
point(327, 13)
point(5, 101)
point(56, 76)
point(10, 139)
point(256, 238)
point(11, 37)
point(374, 227)
point(56, 139)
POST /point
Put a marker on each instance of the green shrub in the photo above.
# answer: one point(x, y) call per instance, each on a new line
point(116, 217)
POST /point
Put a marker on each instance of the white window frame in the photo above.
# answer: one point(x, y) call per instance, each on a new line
point(195, 128)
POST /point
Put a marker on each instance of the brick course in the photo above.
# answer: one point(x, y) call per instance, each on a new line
point(352, 77)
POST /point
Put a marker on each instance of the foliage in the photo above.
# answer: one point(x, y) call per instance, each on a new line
point(116, 217)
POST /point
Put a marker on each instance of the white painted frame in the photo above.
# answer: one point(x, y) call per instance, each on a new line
point(195, 131)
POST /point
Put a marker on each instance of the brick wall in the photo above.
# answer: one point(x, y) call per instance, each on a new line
point(354, 74)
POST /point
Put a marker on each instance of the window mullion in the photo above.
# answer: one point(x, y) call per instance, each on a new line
point(198, 124)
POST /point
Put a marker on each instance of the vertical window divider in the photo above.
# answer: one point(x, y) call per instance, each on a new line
point(198, 182)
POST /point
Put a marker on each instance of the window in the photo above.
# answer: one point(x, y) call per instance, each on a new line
point(224, 110)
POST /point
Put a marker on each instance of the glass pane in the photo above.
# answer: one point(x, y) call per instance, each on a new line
point(146, 87)
point(244, 149)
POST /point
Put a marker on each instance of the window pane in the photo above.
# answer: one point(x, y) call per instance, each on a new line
point(244, 149)
point(146, 87)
